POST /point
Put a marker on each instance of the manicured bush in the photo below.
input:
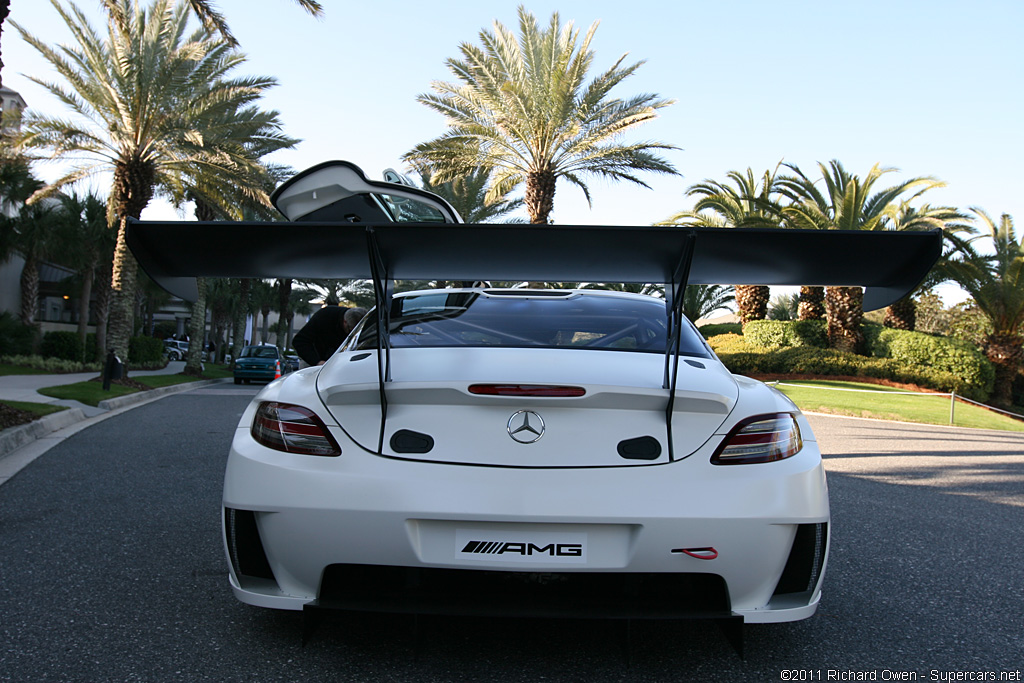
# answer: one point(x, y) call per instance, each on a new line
point(63, 345)
point(15, 338)
point(745, 359)
point(716, 329)
point(145, 350)
point(774, 334)
point(928, 352)
point(54, 365)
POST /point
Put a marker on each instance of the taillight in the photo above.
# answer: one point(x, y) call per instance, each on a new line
point(292, 429)
point(525, 390)
point(763, 438)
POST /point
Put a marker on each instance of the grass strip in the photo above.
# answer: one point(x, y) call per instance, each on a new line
point(39, 409)
point(886, 403)
point(89, 393)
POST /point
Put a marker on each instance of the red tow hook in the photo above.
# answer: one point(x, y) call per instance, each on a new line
point(698, 553)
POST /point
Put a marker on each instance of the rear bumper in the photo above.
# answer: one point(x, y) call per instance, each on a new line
point(312, 515)
point(256, 373)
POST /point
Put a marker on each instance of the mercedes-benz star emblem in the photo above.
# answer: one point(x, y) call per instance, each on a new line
point(526, 426)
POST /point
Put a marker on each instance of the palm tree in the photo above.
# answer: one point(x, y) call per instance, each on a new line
point(902, 315)
point(996, 282)
point(90, 243)
point(847, 202)
point(700, 301)
point(261, 299)
point(784, 307)
point(747, 203)
point(151, 105)
point(214, 21)
point(25, 229)
point(468, 195)
point(522, 107)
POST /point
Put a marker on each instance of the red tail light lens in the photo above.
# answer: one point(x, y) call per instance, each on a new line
point(525, 390)
point(292, 429)
point(764, 438)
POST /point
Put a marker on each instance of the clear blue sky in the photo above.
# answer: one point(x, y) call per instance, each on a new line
point(929, 87)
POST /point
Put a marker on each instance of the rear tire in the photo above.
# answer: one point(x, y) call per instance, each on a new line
point(238, 380)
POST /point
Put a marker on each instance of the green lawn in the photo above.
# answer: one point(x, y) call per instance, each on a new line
point(884, 403)
point(39, 409)
point(89, 393)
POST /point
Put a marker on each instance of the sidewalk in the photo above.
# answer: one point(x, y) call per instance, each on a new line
point(25, 388)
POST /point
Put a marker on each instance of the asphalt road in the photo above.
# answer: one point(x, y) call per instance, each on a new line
point(111, 569)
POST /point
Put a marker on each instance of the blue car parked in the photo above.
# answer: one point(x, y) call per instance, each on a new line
point(261, 362)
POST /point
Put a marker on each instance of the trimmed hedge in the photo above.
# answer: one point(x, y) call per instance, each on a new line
point(720, 328)
point(62, 345)
point(744, 359)
point(774, 334)
point(15, 338)
point(925, 351)
point(145, 350)
point(913, 353)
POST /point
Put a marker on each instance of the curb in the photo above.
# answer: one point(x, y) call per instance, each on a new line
point(16, 437)
point(151, 394)
point(22, 435)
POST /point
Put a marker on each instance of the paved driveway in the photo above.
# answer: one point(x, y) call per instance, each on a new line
point(111, 568)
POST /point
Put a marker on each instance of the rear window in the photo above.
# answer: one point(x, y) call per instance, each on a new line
point(524, 318)
point(259, 352)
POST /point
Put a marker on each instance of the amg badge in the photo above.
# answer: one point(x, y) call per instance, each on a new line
point(527, 546)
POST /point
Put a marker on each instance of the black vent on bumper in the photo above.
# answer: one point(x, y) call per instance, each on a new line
point(244, 546)
point(806, 559)
point(468, 592)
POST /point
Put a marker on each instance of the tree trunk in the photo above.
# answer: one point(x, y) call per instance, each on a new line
point(902, 315)
point(284, 295)
point(241, 312)
point(132, 190)
point(196, 332)
point(844, 310)
point(540, 196)
point(752, 302)
point(29, 290)
point(812, 303)
point(1006, 352)
point(265, 328)
point(83, 306)
point(102, 313)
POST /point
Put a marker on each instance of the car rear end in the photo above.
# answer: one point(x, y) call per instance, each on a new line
point(527, 469)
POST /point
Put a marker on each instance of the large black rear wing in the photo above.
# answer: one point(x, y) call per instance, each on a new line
point(888, 264)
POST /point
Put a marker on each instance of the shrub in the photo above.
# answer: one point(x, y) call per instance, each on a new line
point(145, 350)
point(716, 329)
point(925, 352)
point(63, 345)
point(54, 365)
point(743, 358)
point(773, 334)
point(15, 338)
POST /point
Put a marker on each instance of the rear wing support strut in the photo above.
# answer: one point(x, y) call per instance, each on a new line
point(383, 289)
point(674, 299)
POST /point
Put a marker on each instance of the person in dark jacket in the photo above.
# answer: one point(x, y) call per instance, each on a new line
point(324, 333)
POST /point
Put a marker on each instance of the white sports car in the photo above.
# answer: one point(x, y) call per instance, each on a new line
point(523, 451)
